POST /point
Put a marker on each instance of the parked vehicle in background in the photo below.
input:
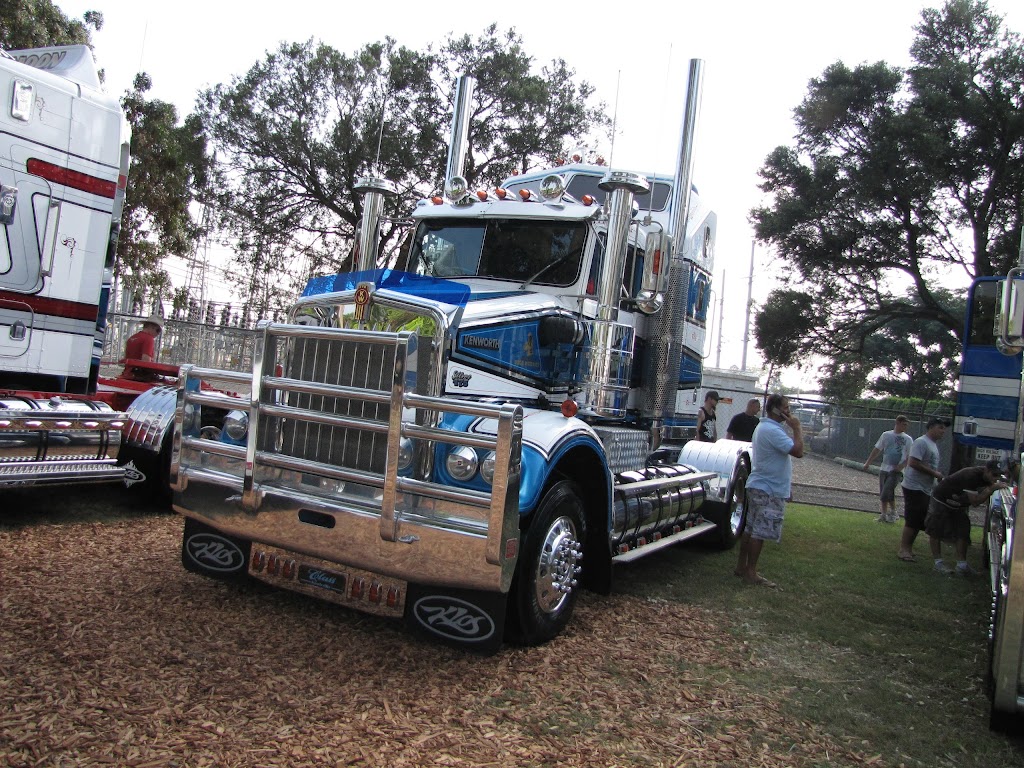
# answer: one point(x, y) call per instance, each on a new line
point(467, 444)
point(988, 425)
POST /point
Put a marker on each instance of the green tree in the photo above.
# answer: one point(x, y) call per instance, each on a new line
point(168, 169)
point(37, 23)
point(295, 133)
point(901, 181)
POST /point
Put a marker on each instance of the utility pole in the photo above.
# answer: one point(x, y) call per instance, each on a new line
point(750, 302)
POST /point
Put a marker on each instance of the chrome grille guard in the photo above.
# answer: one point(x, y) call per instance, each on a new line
point(309, 496)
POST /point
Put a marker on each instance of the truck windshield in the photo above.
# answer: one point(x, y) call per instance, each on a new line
point(508, 249)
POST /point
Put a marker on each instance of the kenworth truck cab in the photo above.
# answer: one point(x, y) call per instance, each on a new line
point(467, 442)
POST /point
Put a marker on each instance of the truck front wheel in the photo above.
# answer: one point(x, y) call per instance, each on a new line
point(545, 587)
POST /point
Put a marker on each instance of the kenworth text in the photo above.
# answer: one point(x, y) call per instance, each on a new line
point(467, 441)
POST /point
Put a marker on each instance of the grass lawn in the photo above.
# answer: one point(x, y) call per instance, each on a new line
point(882, 654)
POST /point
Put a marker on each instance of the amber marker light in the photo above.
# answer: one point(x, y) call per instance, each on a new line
point(587, 200)
point(524, 193)
point(436, 200)
point(501, 193)
point(569, 408)
point(482, 195)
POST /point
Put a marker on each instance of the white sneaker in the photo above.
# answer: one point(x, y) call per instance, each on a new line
point(965, 570)
point(941, 567)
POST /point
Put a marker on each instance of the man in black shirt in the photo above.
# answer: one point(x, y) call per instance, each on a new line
point(742, 425)
point(707, 419)
point(947, 518)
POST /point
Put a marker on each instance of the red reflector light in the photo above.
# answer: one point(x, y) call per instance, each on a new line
point(273, 565)
point(569, 408)
point(376, 592)
point(393, 595)
point(657, 262)
point(259, 561)
point(288, 569)
point(511, 548)
point(358, 588)
point(73, 179)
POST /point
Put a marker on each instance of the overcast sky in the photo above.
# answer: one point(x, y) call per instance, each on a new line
point(759, 57)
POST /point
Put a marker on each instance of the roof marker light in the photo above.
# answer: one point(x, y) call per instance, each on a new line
point(527, 195)
point(482, 195)
point(587, 200)
point(569, 408)
point(576, 158)
point(501, 193)
point(437, 200)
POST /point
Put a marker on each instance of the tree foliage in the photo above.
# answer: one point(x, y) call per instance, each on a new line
point(899, 183)
point(295, 133)
point(38, 23)
point(168, 168)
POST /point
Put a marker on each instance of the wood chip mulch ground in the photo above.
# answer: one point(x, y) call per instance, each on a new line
point(112, 654)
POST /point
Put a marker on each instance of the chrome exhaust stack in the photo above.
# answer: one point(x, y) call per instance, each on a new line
point(373, 190)
point(609, 355)
point(665, 344)
point(458, 144)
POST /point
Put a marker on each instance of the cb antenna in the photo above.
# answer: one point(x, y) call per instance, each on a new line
point(615, 119)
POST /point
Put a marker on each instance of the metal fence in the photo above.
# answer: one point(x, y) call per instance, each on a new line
point(210, 346)
point(853, 437)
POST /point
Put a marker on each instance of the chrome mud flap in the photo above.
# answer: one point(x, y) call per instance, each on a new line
point(472, 620)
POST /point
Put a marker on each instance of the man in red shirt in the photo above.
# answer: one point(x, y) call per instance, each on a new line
point(142, 346)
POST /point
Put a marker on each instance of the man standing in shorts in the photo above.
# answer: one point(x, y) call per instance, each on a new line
point(947, 515)
point(921, 473)
point(768, 487)
point(894, 448)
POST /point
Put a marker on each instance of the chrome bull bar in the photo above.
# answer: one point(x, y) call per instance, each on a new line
point(274, 474)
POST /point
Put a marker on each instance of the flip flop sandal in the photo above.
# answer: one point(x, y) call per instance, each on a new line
point(907, 558)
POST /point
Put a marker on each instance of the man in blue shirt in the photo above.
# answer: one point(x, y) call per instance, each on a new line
point(768, 487)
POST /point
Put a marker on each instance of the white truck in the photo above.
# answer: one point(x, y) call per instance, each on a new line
point(64, 156)
point(466, 443)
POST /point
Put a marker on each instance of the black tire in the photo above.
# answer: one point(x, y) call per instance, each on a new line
point(730, 516)
point(545, 588)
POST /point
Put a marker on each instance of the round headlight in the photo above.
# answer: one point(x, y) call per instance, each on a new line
point(487, 468)
point(462, 463)
point(404, 453)
point(236, 425)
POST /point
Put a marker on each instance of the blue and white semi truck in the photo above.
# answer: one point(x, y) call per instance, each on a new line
point(988, 425)
point(466, 443)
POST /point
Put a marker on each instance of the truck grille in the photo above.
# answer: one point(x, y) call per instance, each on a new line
point(362, 366)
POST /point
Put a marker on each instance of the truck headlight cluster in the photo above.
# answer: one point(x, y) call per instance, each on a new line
point(462, 463)
point(236, 425)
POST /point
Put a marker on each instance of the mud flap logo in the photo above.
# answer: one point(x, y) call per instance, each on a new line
point(214, 553)
point(453, 618)
point(133, 475)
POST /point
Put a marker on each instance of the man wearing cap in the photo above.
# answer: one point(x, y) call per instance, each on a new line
point(921, 473)
point(947, 515)
point(707, 420)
